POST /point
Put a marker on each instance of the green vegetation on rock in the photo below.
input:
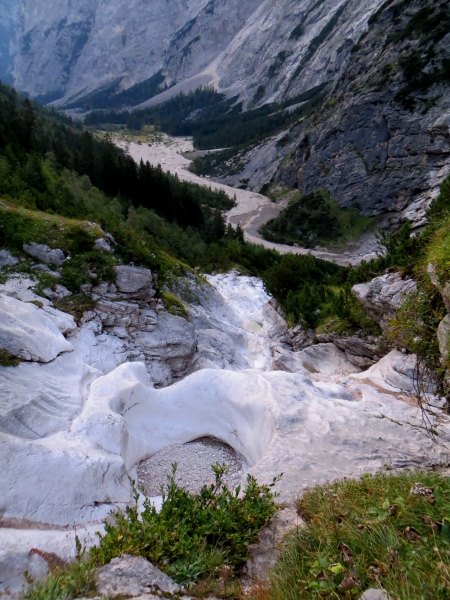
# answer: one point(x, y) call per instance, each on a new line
point(383, 531)
point(213, 120)
point(7, 359)
point(189, 538)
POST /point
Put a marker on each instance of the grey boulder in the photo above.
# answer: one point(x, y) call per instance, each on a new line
point(44, 253)
point(133, 576)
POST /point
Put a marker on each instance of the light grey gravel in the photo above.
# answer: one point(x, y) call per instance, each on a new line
point(194, 461)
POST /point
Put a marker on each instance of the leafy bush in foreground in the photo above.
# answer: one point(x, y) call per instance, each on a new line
point(190, 538)
point(193, 534)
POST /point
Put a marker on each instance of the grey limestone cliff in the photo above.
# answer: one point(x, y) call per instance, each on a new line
point(381, 141)
point(257, 49)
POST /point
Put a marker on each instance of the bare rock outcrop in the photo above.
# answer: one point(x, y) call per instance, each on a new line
point(7, 259)
point(128, 311)
point(135, 281)
point(384, 295)
point(361, 351)
point(45, 254)
point(264, 553)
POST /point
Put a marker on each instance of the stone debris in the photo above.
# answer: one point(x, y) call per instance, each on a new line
point(193, 461)
point(59, 292)
point(132, 576)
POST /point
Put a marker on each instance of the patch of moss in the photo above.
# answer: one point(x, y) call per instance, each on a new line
point(174, 305)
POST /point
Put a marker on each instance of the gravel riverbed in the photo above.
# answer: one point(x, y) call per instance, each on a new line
point(194, 461)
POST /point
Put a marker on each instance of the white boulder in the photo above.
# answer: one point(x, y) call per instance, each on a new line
point(132, 280)
point(7, 259)
point(29, 333)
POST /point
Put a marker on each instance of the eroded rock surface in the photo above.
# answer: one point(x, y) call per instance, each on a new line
point(319, 423)
point(29, 333)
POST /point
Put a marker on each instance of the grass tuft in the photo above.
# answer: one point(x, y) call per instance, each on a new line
point(381, 531)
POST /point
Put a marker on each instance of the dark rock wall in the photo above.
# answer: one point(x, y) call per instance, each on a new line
point(381, 142)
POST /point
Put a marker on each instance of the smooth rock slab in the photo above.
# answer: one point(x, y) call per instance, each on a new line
point(39, 399)
point(133, 576)
point(397, 371)
point(29, 333)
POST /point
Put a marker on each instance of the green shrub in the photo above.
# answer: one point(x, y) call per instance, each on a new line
point(415, 327)
point(314, 219)
point(190, 538)
point(174, 305)
point(77, 270)
point(193, 534)
point(75, 580)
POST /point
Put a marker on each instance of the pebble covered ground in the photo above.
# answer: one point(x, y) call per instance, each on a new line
point(194, 461)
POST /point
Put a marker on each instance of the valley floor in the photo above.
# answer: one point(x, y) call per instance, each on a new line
point(252, 210)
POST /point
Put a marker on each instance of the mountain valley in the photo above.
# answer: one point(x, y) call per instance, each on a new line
point(224, 236)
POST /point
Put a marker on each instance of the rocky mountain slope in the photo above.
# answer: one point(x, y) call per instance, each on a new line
point(380, 72)
point(379, 141)
point(8, 29)
point(257, 49)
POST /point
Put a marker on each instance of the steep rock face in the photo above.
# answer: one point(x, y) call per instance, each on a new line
point(257, 49)
point(381, 141)
point(289, 47)
point(8, 25)
point(65, 47)
point(384, 295)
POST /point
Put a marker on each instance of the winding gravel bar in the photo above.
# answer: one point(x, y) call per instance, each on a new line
point(251, 210)
point(194, 461)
